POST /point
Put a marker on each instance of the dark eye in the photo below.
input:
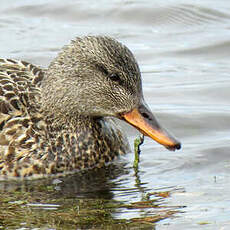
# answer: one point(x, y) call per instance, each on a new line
point(115, 77)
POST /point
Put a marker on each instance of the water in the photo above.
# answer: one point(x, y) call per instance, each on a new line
point(183, 51)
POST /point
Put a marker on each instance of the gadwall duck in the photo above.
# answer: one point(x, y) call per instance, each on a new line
point(61, 119)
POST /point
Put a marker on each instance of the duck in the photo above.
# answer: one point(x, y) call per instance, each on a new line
point(63, 119)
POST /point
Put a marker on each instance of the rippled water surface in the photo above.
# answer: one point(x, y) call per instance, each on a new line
point(183, 49)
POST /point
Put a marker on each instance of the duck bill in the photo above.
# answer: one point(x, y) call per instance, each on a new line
point(143, 119)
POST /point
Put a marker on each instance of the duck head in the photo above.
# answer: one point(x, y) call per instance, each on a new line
point(96, 76)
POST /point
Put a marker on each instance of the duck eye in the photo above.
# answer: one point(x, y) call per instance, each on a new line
point(115, 77)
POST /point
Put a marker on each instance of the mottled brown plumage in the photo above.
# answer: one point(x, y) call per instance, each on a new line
point(53, 121)
point(59, 120)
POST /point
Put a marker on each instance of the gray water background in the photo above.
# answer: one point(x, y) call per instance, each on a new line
point(183, 50)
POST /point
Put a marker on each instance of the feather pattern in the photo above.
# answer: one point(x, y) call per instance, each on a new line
point(33, 144)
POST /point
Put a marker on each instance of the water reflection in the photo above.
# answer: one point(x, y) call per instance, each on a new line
point(90, 199)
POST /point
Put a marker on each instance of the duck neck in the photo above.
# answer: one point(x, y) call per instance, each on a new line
point(88, 142)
